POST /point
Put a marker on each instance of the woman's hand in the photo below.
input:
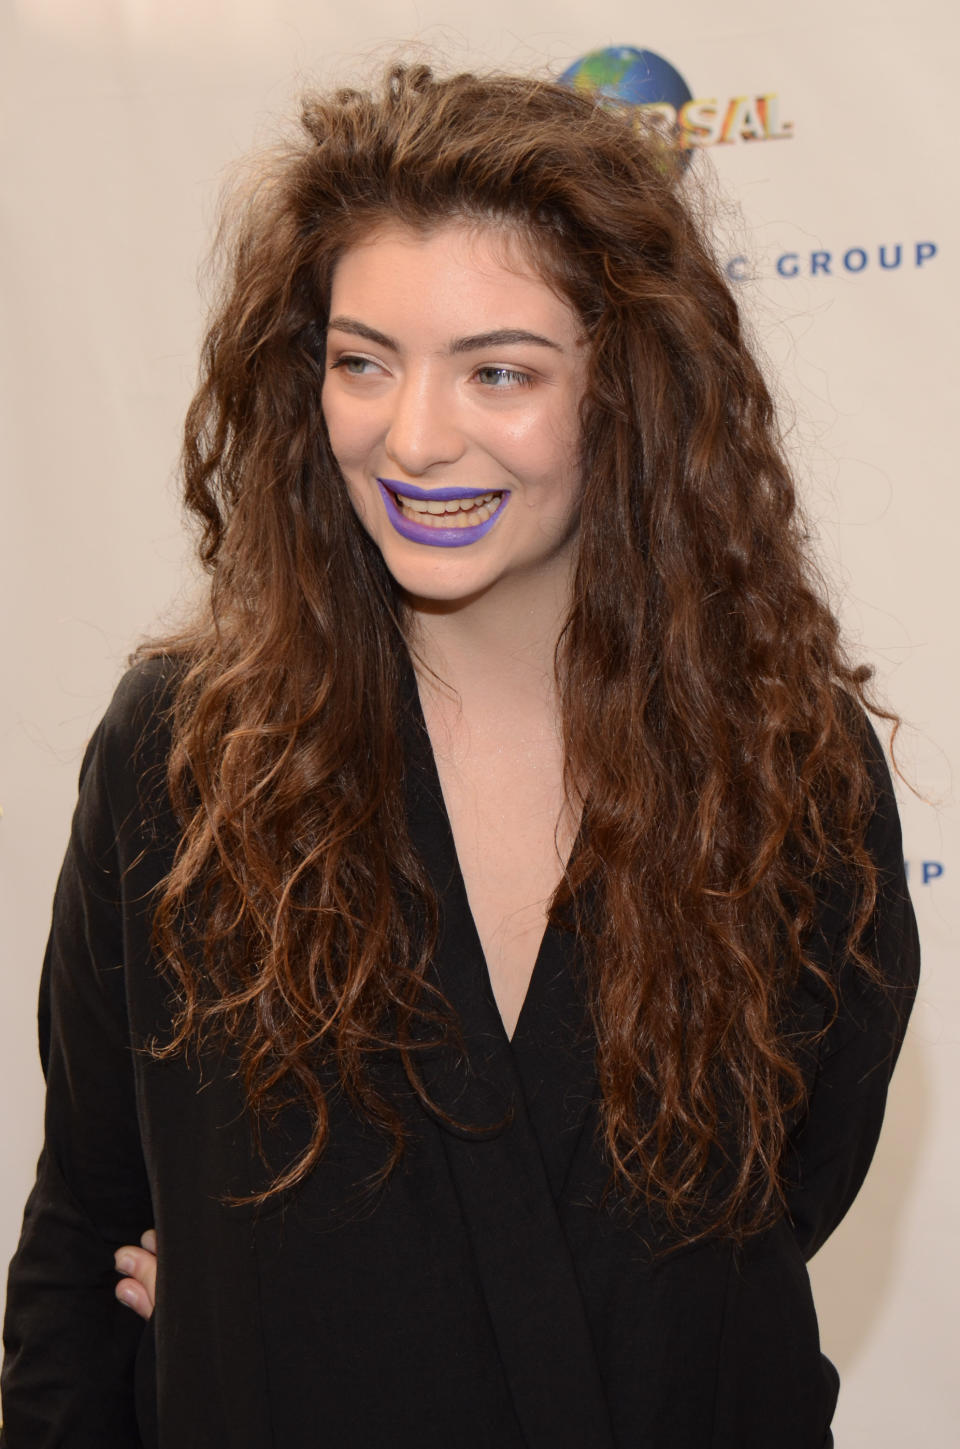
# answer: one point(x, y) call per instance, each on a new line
point(138, 1288)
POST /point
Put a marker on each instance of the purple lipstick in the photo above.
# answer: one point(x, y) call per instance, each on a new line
point(448, 535)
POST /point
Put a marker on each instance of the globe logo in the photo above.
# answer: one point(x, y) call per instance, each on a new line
point(628, 76)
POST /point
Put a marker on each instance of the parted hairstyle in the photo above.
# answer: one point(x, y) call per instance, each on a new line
point(711, 724)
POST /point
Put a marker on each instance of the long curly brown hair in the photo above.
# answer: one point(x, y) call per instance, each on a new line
point(710, 722)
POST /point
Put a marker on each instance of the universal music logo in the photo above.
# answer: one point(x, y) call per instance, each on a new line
point(624, 75)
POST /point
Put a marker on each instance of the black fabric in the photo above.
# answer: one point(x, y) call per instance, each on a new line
point(487, 1295)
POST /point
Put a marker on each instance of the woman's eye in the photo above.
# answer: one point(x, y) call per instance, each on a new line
point(355, 366)
point(502, 377)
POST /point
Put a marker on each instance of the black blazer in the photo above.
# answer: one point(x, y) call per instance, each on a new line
point(487, 1296)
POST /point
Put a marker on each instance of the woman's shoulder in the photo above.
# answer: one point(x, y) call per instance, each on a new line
point(888, 937)
point(144, 697)
point(883, 838)
point(135, 730)
point(124, 770)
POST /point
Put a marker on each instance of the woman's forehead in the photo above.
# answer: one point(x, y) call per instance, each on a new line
point(457, 267)
point(474, 240)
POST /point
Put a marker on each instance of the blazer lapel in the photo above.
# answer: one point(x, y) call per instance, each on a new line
point(553, 1051)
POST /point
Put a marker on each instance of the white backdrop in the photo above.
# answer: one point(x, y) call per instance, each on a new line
point(120, 119)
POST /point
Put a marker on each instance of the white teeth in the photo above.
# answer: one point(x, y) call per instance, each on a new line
point(431, 511)
point(452, 505)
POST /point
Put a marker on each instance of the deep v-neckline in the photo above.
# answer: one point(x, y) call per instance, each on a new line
point(424, 763)
point(549, 1062)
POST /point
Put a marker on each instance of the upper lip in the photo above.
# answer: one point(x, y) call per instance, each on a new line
point(442, 495)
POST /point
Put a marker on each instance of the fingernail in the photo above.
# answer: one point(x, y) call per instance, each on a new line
point(127, 1296)
point(124, 1263)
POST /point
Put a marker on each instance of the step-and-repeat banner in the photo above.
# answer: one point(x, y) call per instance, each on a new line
point(823, 139)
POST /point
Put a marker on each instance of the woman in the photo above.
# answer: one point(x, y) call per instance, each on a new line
point(499, 885)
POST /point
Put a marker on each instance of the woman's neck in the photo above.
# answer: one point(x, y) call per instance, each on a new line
point(496, 650)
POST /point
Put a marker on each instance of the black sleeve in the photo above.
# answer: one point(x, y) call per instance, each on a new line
point(834, 1143)
point(70, 1348)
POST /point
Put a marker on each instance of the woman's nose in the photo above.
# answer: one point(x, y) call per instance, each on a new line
point(423, 428)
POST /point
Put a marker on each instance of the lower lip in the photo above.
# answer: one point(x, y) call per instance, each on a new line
point(444, 537)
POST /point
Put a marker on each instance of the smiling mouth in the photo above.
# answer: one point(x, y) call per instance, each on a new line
point(441, 517)
point(466, 511)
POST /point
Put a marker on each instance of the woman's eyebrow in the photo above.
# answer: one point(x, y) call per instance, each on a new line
point(501, 337)
point(360, 329)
